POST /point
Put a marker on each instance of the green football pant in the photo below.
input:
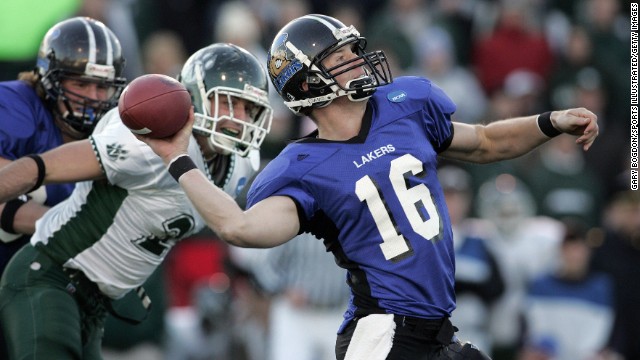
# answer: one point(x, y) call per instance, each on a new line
point(40, 316)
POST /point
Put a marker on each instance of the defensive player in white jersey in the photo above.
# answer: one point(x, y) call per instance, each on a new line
point(127, 212)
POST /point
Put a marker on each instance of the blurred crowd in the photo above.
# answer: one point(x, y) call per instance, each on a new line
point(548, 245)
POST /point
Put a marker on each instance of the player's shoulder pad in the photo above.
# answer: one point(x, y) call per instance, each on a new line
point(408, 93)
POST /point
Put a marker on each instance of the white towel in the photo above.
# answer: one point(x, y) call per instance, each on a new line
point(372, 339)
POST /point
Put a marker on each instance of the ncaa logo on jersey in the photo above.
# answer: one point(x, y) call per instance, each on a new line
point(240, 186)
point(397, 96)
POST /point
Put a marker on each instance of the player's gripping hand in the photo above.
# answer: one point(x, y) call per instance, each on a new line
point(579, 122)
point(171, 147)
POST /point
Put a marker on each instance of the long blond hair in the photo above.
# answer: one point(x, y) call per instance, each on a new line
point(33, 79)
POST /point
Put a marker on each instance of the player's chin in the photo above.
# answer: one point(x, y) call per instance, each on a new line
point(221, 151)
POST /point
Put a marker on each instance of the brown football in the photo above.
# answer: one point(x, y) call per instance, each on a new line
point(154, 105)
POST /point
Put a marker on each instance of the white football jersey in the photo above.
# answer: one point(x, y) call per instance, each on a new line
point(118, 230)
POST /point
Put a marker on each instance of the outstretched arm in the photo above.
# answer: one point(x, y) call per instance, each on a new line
point(69, 163)
point(72, 162)
point(507, 139)
point(269, 223)
point(19, 219)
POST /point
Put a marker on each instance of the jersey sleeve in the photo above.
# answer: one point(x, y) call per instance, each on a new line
point(438, 109)
point(278, 179)
point(126, 161)
point(240, 174)
point(25, 125)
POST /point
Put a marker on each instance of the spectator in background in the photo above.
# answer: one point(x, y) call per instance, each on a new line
point(309, 296)
point(520, 94)
point(436, 60)
point(514, 44)
point(193, 20)
point(575, 56)
point(619, 256)
point(525, 246)
point(458, 18)
point(199, 291)
point(608, 30)
point(584, 86)
point(251, 302)
point(117, 15)
point(563, 184)
point(478, 279)
point(393, 28)
point(163, 52)
point(525, 88)
point(570, 309)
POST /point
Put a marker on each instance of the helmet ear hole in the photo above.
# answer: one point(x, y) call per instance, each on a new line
point(313, 79)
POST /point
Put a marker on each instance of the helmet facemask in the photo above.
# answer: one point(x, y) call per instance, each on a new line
point(374, 64)
point(81, 112)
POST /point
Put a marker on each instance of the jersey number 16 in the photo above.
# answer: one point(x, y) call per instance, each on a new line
point(415, 201)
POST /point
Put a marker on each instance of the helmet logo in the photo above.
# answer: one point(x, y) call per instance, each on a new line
point(281, 67)
point(254, 91)
point(101, 71)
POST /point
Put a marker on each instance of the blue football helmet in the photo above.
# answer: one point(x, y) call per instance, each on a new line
point(296, 56)
point(84, 49)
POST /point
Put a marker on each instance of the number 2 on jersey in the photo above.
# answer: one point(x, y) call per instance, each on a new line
point(413, 200)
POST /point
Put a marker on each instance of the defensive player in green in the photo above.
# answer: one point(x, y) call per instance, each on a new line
point(127, 211)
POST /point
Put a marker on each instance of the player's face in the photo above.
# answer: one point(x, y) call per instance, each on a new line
point(81, 92)
point(340, 56)
point(77, 89)
point(229, 107)
point(236, 108)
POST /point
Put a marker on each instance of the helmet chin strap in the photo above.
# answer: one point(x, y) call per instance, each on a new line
point(359, 94)
point(356, 94)
point(68, 130)
point(221, 144)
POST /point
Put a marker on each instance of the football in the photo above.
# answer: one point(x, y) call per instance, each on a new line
point(154, 105)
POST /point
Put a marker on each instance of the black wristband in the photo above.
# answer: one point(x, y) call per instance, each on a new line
point(41, 171)
point(181, 165)
point(9, 213)
point(545, 125)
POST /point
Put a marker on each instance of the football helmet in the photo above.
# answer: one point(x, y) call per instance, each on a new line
point(296, 56)
point(216, 74)
point(81, 48)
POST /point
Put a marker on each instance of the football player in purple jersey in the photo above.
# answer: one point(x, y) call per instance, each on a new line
point(77, 78)
point(365, 182)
